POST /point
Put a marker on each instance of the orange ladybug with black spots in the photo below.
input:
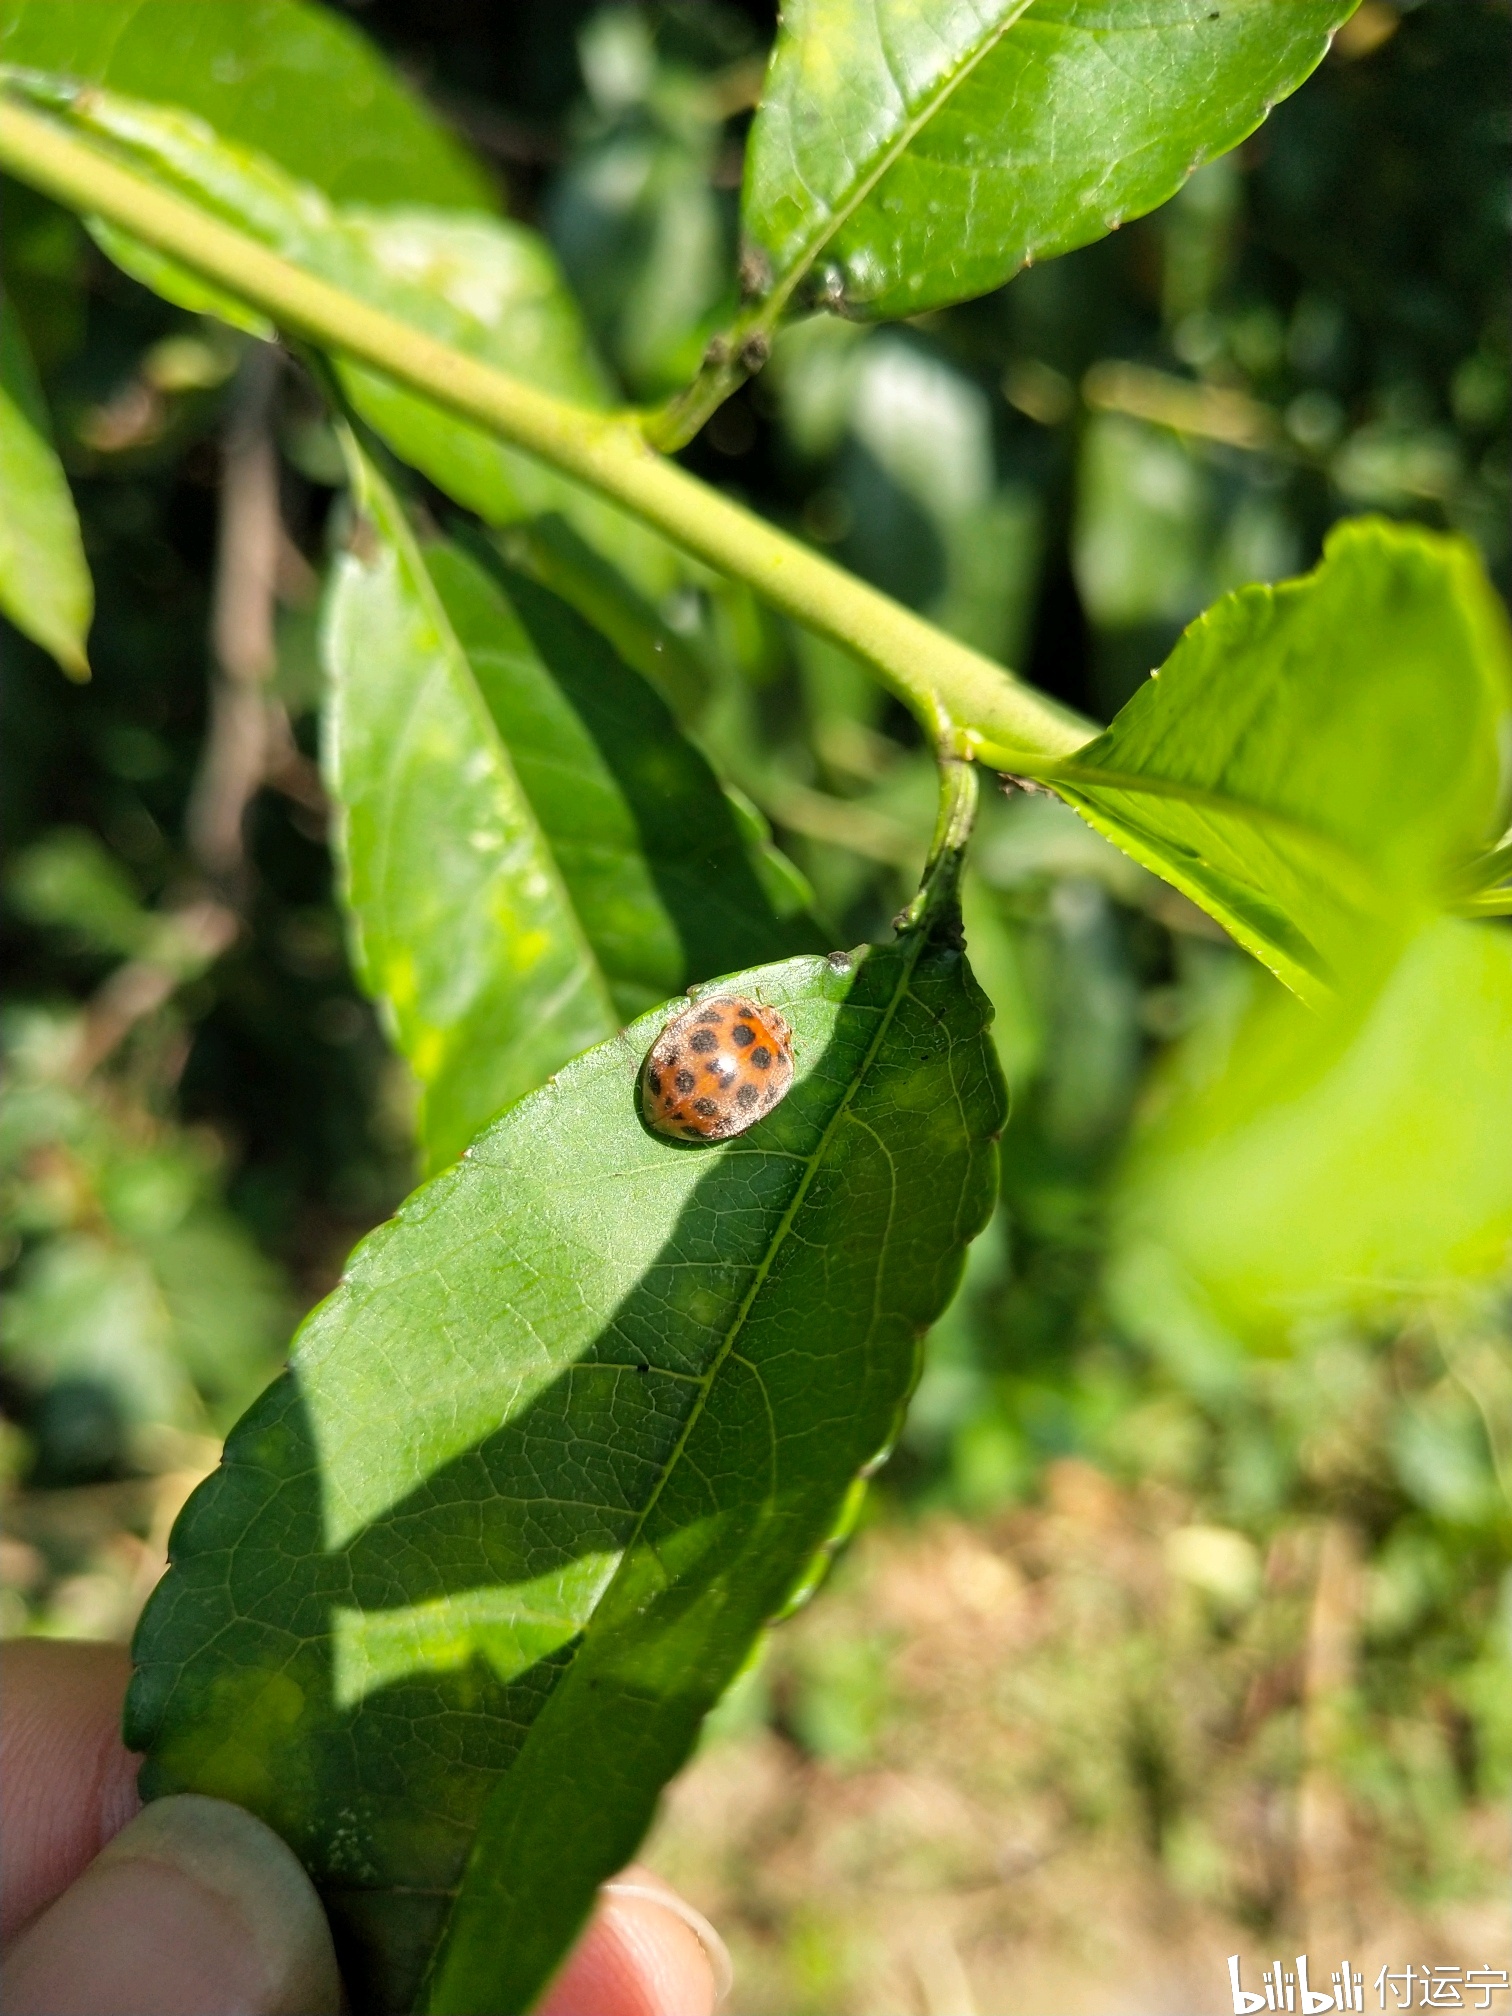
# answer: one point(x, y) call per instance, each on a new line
point(716, 1069)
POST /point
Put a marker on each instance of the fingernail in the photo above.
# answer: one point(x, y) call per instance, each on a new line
point(721, 1966)
point(195, 1909)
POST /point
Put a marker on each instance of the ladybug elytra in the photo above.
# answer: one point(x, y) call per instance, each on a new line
point(716, 1069)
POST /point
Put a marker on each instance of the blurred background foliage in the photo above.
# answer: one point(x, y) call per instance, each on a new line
point(1221, 1580)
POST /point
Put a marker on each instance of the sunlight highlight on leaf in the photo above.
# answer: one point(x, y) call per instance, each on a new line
point(594, 1395)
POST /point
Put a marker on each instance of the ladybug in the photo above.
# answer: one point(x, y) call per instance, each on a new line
point(716, 1069)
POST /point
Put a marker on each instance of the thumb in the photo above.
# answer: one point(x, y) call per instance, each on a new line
point(195, 1909)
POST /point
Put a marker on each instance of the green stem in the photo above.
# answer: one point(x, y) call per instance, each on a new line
point(963, 700)
point(954, 820)
point(728, 362)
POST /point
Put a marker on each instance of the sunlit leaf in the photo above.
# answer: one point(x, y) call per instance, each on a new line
point(533, 853)
point(1316, 764)
point(45, 587)
point(911, 156)
point(486, 285)
point(294, 81)
point(567, 1436)
point(1311, 1163)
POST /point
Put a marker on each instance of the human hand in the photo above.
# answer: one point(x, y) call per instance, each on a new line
point(192, 1907)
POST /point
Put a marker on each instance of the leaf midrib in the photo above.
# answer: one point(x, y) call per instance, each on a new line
point(784, 1226)
point(726, 1351)
point(1222, 805)
point(838, 217)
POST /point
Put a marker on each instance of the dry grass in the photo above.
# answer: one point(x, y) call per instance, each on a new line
point(1032, 1769)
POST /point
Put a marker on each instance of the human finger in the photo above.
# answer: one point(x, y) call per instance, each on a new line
point(645, 1953)
point(67, 1781)
point(196, 1908)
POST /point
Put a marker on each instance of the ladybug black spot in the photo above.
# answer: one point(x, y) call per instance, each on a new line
point(703, 1041)
point(684, 1081)
point(707, 1109)
point(761, 1057)
point(743, 1034)
point(653, 1079)
point(709, 1015)
point(747, 1096)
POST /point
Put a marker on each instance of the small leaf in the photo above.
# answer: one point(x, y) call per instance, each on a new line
point(533, 853)
point(1317, 763)
point(295, 82)
point(69, 880)
point(569, 1434)
point(45, 587)
point(921, 155)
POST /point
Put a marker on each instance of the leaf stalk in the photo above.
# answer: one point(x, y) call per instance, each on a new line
point(947, 851)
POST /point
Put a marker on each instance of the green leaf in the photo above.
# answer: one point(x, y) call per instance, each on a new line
point(492, 290)
point(69, 880)
point(295, 82)
point(645, 240)
point(486, 285)
point(567, 1436)
point(1311, 1163)
point(83, 1307)
point(45, 587)
point(921, 155)
point(1317, 763)
point(547, 549)
point(533, 853)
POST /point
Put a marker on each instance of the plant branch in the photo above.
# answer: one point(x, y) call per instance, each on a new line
point(235, 754)
point(189, 939)
point(961, 697)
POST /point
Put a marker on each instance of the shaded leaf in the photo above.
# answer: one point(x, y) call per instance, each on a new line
point(567, 1436)
point(45, 587)
point(533, 854)
point(923, 155)
point(646, 241)
point(1317, 763)
point(294, 81)
point(547, 549)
